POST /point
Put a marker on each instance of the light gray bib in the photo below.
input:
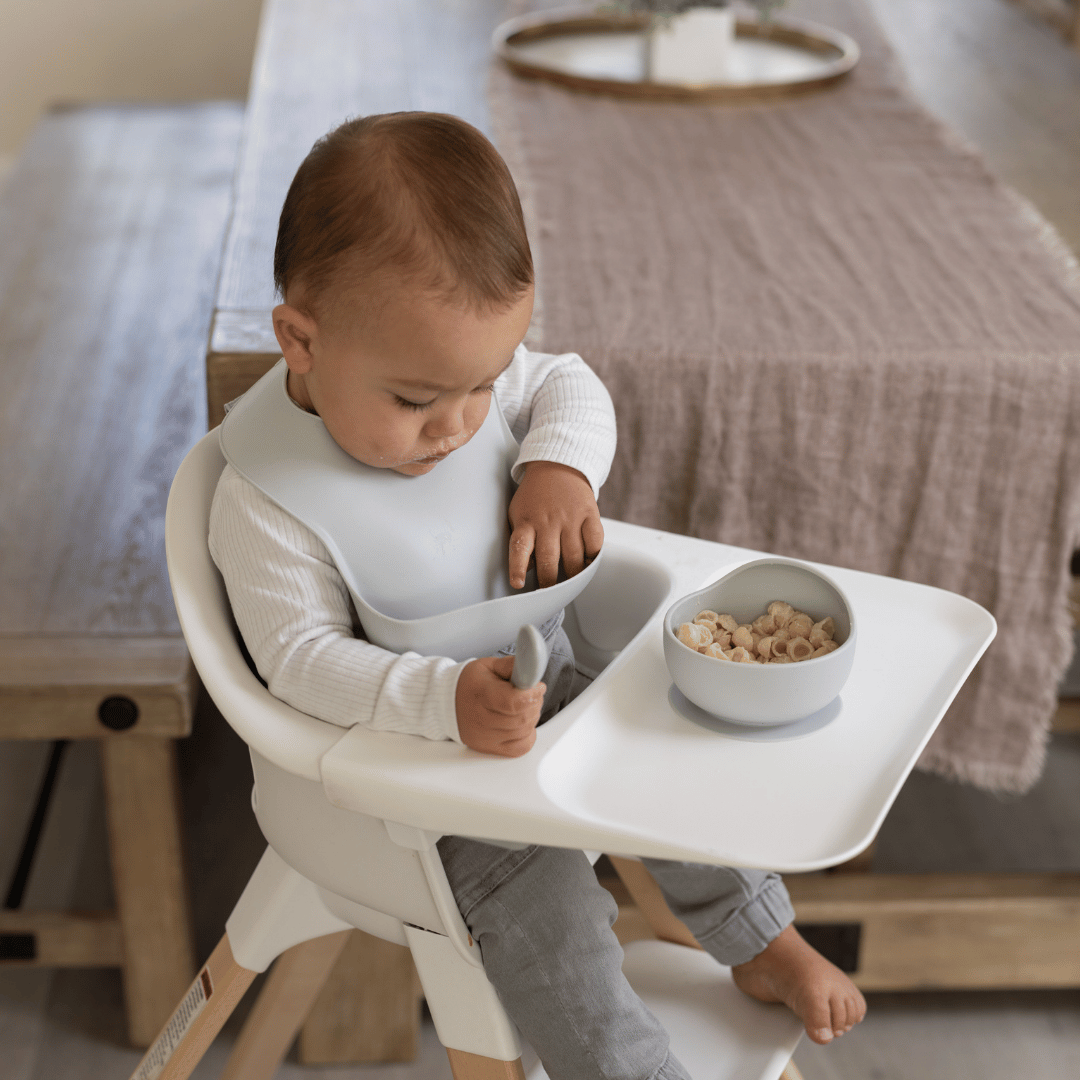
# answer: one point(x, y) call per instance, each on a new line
point(424, 557)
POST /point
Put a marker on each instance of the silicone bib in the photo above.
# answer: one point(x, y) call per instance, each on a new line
point(424, 557)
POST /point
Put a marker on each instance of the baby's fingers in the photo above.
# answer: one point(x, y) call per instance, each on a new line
point(508, 705)
point(592, 532)
point(573, 552)
point(503, 666)
point(548, 549)
point(515, 747)
point(522, 541)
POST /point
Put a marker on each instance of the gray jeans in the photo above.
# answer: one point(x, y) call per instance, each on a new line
point(544, 927)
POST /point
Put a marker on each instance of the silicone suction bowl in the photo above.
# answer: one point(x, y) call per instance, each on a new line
point(762, 694)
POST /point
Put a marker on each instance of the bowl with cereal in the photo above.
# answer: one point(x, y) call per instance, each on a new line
point(771, 642)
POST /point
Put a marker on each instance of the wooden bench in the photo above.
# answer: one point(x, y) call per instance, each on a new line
point(111, 229)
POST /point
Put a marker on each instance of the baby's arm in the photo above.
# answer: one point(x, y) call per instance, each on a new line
point(294, 612)
point(563, 415)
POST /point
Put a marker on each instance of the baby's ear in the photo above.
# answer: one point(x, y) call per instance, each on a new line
point(294, 331)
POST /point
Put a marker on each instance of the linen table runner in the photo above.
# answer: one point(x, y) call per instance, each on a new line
point(829, 333)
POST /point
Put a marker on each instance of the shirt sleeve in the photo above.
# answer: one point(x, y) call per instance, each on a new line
point(299, 624)
point(559, 410)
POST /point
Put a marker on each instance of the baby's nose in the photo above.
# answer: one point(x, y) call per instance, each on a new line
point(446, 422)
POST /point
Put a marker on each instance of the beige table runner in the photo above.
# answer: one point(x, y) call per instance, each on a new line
point(831, 334)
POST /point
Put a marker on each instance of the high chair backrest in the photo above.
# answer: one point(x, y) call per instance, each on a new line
point(351, 855)
point(288, 738)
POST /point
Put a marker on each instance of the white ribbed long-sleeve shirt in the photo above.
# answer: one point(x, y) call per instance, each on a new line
point(293, 607)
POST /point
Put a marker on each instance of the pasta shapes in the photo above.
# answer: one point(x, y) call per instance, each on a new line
point(781, 636)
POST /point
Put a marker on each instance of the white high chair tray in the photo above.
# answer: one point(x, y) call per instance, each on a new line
point(631, 769)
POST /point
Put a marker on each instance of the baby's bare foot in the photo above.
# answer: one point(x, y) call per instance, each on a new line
point(818, 992)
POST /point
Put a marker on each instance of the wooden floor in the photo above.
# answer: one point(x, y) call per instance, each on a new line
point(1011, 87)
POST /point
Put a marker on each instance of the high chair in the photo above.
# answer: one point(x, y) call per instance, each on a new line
point(352, 816)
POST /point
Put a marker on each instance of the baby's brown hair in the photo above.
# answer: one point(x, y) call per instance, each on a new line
point(423, 194)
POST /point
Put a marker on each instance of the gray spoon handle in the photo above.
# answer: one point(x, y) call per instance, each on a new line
point(530, 658)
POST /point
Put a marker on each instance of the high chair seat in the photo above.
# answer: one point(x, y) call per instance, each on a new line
point(352, 817)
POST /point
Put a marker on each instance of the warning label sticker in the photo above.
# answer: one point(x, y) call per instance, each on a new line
point(157, 1057)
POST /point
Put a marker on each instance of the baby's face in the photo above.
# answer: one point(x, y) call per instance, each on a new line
point(406, 386)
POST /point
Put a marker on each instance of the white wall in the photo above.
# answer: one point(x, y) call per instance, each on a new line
point(100, 50)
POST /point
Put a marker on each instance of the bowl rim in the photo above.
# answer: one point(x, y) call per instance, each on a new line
point(770, 560)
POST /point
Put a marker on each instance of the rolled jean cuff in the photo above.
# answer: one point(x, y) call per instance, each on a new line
point(671, 1069)
point(761, 920)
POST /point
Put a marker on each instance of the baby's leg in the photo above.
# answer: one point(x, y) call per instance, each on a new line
point(544, 928)
point(559, 676)
point(743, 918)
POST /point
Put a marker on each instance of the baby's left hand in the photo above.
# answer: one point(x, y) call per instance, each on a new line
point(552, 513)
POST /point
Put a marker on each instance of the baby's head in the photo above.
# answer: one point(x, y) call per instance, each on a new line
point(407, 283)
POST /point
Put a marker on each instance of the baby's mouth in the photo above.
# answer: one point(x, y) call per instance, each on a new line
point(440, 455)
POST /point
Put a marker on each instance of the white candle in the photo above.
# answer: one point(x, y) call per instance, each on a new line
point(692, 48)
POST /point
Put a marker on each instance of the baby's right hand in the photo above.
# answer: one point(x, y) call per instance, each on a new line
point(492, 715)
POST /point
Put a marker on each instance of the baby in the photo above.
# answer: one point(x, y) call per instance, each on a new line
point(407, 283)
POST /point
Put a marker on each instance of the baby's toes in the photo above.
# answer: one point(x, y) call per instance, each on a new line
point(845, 1012)
point(849, 1011)
point(818, 1018)
point(838, 1009)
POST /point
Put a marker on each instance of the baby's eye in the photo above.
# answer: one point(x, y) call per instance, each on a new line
point(485, 389)
point(415, 406)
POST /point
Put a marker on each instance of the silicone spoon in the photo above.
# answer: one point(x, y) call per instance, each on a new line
point(530, 657)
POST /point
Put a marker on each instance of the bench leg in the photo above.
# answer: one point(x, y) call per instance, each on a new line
point(198, 1018)
point(473, 1067)
point(369, 1009)
point(142, 803)
point(284, 1002)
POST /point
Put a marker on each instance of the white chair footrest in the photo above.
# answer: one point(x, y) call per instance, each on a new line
point(717, 1032)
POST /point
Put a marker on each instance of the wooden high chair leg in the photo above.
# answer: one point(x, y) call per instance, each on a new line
point(474, 1067)
point(198, 1018)
point(286, 998)
point(644, 891)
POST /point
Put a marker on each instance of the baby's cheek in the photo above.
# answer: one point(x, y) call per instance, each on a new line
point(476, 410)
point(398, 439)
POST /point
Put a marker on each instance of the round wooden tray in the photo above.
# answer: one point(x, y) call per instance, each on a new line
point(606, 53)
